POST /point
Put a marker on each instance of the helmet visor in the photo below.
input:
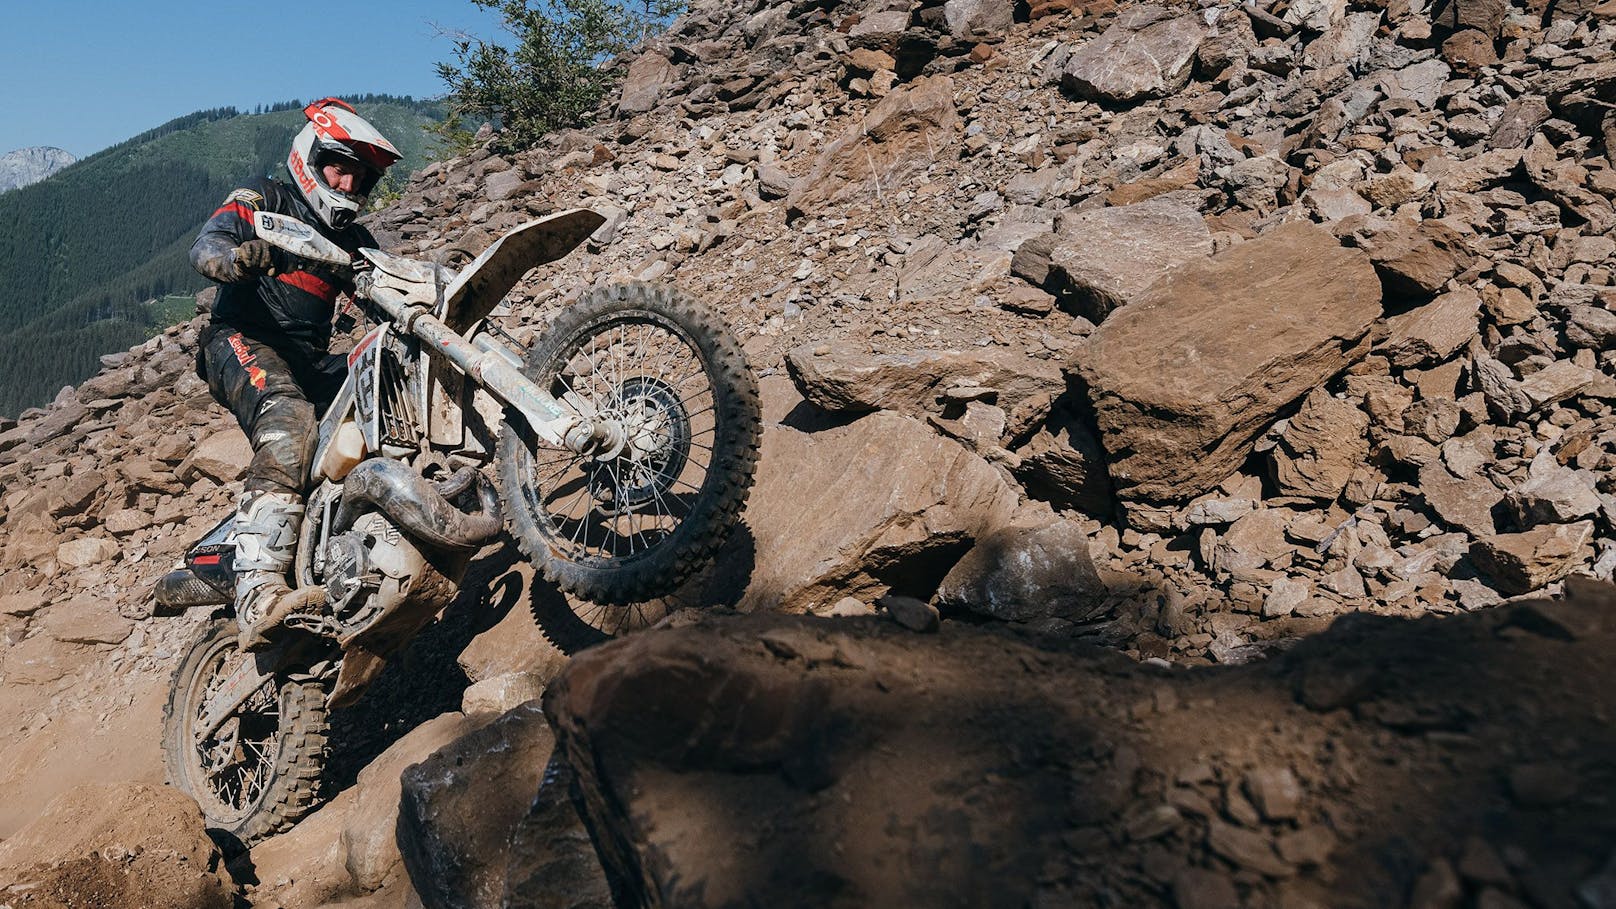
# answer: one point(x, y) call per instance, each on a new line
point(365, 176)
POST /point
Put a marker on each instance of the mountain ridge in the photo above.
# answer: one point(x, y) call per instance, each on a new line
point(27, 166)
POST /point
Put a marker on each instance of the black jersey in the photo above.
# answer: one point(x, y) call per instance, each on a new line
point(291, 310)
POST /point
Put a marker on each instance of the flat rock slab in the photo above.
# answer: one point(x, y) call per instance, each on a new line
point(1464, 504)
point(1415, 260)
point(648, 76)
point(1522, 562)
point(222, 457)
point(1553, 494)
point(1183, 381)
point(909, 131)
point(1103, 259)
point(1433, 332)
point(1147, 53)
point(847, 377)
point(86, 620)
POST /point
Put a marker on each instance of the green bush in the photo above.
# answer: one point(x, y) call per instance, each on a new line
point(551, 77)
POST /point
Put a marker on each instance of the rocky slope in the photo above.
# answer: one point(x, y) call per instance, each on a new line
point(31, 165)
point(1182, 330)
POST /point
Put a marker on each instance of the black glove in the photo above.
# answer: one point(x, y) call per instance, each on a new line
point(255, 257)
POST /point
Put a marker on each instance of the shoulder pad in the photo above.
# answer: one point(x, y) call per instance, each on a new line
point(247, 197)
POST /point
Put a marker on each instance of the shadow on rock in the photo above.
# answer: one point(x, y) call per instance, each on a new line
point(424, 680)
point(573, 625)
point(799, 761)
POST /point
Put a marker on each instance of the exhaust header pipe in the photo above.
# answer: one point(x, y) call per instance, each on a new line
point(419, 506)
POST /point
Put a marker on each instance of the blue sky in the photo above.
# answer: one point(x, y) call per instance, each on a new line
point(85, 75)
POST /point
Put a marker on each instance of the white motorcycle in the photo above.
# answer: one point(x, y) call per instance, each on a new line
point(624, 444)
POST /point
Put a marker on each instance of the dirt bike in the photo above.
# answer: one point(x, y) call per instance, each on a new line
point(624, 444)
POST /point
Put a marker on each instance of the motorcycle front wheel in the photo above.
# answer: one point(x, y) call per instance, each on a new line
point(619, 528)
point(259, 772)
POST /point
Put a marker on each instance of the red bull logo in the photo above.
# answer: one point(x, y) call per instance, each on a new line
point(247, 358)
point(301, 173)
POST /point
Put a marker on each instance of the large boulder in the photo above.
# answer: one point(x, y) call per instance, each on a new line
point(781, 760)
point(460, 807)
point(369, 837)
point(1027, 573)
point(882, 504)
point(552, 862)
point(115, 846)
point(1184, 380)
point(648, 76)
point(909, 131)
point(1147, 53)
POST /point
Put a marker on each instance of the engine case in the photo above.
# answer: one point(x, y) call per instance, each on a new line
point(380, 585)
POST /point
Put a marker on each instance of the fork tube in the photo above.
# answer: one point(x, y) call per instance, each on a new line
point(547, 417)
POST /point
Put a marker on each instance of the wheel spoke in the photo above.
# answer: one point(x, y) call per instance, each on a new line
point(638, 364)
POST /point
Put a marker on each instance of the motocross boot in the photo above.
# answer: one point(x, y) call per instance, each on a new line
point(267, 525)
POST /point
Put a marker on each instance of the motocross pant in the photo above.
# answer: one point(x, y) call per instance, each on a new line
point(276, 401)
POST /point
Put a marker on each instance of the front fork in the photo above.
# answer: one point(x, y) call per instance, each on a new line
point(497, 368)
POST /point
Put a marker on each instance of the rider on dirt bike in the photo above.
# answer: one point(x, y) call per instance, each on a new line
point(264, 354)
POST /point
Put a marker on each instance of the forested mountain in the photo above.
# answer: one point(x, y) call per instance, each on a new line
point(84, 253)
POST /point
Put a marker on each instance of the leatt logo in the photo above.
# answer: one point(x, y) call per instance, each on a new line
point(300, 172)
point(247, 358)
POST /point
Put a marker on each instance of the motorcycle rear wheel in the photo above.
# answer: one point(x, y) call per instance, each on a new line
point(259, 773)
point(622, 530)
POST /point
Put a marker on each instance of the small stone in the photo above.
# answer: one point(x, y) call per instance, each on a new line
point(1542, 785)
point(1438, 888)
point(1310, 845)
point(1284, 597)
point(913, 614)
point(1469, 51)
point(1481, 864)
point(1155, 822)
point(1275, 791)
point(1247, 849)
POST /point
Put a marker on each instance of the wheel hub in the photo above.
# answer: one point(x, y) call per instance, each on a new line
point(655, 441)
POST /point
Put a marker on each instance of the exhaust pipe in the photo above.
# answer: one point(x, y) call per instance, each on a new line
point(419, 506)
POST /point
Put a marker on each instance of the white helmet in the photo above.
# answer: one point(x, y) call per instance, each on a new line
point(336, 131)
